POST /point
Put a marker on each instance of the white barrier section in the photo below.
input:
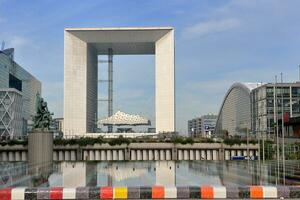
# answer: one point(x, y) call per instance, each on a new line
point(18, 193)
point(170, 192)
point(269, 192)
point(219, 192)
point(69, 193)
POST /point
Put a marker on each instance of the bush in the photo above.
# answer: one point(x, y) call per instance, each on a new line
point(118, 141)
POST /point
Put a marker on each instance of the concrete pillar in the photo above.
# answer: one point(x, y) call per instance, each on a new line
point(203, 155)
point(227, 154)
point(24, 156)
point(251, 152)
point(61, 156)
point(168, 154)
point(185, 154)
point(85, 155)
point(145, 154)
point(133, 155)
point(11, 156)
point(103, 155)
point(239, 152)
point(115, 154)
point(233, 153)
point(151, 156)
point(162, 154)
point(192, 155)
point(208, 153)
point(156, 155)
point(40, 152)
point(67, 155)
point(97, 155)
point(179, 154)
point(139, 154)
point(121, 155)
point(4, 156)
point(73, 155)
point(214, 154)
point(17, 156)
point(197, 154)
point(108, 154)
point(91, 155)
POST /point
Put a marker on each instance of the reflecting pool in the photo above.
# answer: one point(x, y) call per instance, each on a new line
point(166, 173)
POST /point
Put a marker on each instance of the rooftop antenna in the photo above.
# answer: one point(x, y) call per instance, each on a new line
point(3, 45)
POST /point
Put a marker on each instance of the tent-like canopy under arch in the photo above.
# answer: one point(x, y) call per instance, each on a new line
point(124, 119)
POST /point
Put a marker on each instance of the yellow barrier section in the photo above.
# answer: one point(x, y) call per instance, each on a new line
point(120, 193)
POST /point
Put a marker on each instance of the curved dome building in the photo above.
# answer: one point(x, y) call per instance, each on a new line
point(234, 117)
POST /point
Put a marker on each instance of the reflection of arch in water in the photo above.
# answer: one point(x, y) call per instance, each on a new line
point(121, 171)
point(207, 172)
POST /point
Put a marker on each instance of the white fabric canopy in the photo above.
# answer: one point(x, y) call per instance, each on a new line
point(121, 118)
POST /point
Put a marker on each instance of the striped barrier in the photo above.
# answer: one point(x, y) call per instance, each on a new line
point(155, 192)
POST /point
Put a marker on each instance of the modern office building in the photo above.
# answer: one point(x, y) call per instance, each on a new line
point(262, 111)
point(251, 107)
point(81, 49)
point(18, 93)
point(203, 126)
point(208, 124)
point(234, 118)
point(194, 127)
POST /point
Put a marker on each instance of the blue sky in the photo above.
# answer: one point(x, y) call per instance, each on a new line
point(217, 43)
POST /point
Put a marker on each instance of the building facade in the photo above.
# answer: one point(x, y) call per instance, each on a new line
point(208, 125)
point(194, 127)
point(263, 108)
point(12, 75)
point(203, 126)
point(234, 118)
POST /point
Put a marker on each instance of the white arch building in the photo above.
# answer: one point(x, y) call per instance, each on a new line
point(81, 48)
point(235, 112)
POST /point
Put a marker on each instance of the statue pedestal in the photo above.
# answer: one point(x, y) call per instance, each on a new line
point(40, 152)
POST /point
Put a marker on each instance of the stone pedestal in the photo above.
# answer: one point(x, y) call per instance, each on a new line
point(40, 152)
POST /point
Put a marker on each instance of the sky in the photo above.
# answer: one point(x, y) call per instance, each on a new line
point(217, 43)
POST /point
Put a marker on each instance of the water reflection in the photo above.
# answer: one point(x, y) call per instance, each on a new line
point(166, 173)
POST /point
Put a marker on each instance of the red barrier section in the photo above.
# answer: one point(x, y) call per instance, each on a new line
point(207, 192)
point(5, 194)
point(256, 192)
point(56, 193)
point(106, 193)
point(158, 192)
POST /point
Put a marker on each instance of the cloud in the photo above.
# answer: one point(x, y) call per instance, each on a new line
point(211, 27)
point(18, 42)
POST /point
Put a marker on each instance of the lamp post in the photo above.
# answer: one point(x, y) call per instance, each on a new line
point(282, 130)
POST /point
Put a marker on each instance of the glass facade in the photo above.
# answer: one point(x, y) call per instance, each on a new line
point(14, 76)
point(235, 116)
point(262, 98)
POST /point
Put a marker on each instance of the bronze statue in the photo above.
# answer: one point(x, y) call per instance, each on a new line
point(43, 118)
